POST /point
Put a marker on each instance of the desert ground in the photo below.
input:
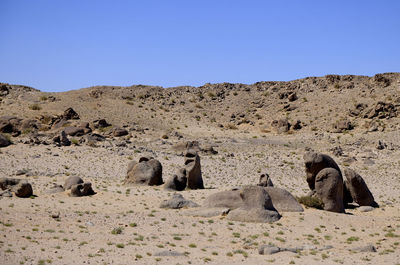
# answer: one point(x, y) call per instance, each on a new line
point(265, 127)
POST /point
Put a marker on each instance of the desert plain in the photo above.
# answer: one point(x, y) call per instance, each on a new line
point(240, 132)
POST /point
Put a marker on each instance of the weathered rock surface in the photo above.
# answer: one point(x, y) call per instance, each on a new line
point(70, 181)
point(177, 201)
point(265, 181)
point(147, 172)
point(314, 163)
point(177, 182)
point(226, 199)
point(257, 207)
point(21, 188)
point(283, 201)
point(83, 189)
point(358, 189)
point(207, 212)
point(4, 141)
point(193, 170)
point(329, 188)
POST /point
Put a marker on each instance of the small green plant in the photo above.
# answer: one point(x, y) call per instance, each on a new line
point(117, 231)
point(311, 202)
point(74, 141)
point(35, 107)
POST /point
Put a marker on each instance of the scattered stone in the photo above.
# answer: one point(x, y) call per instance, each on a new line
point(4, 142)
point(280, 126)
point(177, 182)
point(55, 189)
point(70, 181)
point(21, 188)
point(193, 170)
point(268, 250)
point(329, 188)
point(84, 189)
point(168, 253)
point(265, 181)
point(74, 131)
point(147, 172)
point(358, 189)
point(102, 123)
point(177, 201)
point(55, 215)
point(62, 139)
point(209, 149)
point(367, 248)
point(118, 132)
point(342, 126)
point(381, 145)
point(366, 209)
point(70, 114)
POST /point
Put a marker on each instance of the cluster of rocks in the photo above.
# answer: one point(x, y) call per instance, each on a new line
point(325, 180)
point(21, 188)
point(283, 125)
point(57, 129)
point(148, 171)
point(75, 185)
point(189, 176)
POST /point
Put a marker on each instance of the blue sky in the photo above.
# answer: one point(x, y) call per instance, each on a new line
point(64, 45)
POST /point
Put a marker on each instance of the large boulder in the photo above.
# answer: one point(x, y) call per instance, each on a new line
point(257, 207)
point(71, 181)
point(225, 199)
point(329, 188)
point(314, 163)
point(193, 170)
point(147, 172)
point(4, 141)
point(358, 189)
point(177, 182)
point(82, 189)
point(283, 201)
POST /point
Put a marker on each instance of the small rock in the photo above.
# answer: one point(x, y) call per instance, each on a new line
point(367, 248)
point(168, 253)
point(268, 250)
point(366, 208)
point(177, 201)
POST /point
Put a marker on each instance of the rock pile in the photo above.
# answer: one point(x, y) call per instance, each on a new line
point(21, 188)
point(189, 176)
point(326, 183)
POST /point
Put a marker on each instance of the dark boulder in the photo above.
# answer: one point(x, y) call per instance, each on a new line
point(147, 172)
point(329, 188)
point(358, 189)
point(314, 163)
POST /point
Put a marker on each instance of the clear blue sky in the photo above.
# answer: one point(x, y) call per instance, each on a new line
point(63, 45)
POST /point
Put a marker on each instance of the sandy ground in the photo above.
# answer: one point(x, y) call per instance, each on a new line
point(83, 232)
